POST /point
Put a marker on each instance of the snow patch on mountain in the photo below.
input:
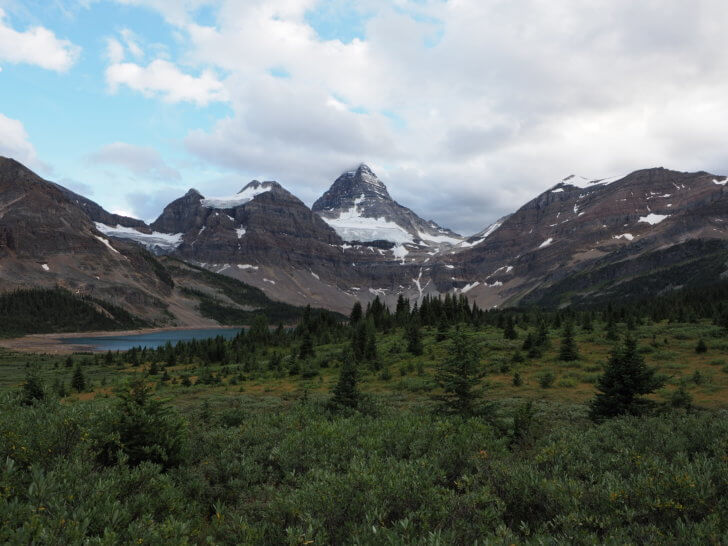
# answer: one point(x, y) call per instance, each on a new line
point(546, 243)
point(107, 244)
point(352, 225)
point(627, 236)
point(161, 241)
point(582, 182)
point(247, 194)
point(653, 218)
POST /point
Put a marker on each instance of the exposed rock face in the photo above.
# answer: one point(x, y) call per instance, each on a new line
point(181, 215)
point(359, 207)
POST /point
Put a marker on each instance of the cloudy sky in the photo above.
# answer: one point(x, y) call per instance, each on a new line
point(464, 108)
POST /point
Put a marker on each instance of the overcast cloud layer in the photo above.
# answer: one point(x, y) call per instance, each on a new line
point(466, 109)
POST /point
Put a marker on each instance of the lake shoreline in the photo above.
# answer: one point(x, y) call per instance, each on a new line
point(53, 344)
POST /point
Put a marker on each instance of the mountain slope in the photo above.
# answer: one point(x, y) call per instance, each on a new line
point(579, 224)
point(49, 238)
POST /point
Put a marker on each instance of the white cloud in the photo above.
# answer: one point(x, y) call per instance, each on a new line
point(162, 78)
point(466, 108)
point(142, 161)
point(14, 143)
point(36, 45)
point(114, 50)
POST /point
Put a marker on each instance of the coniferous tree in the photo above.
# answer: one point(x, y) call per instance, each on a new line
point(346, 393)
point(33, 388)
point(306, 350)
point(145, 430)
point(701, 347)
point(587, 325)
point(370, 344)
point(568, 351)
point(509, 330)
point(611, 332)
point(458, 376)
point(78, 381)
point(414, 337)
point(442, 330)
point(624, 382)
point(356, 314)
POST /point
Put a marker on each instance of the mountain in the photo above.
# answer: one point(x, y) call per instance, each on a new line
point(52, 238)
point(584, 240)
point(262, 235)
point(581, 241)
point(360, 209)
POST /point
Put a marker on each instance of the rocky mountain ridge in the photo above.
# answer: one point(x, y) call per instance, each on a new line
point(580, 239)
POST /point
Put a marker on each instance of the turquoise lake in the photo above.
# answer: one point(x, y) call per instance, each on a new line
point(151, 340)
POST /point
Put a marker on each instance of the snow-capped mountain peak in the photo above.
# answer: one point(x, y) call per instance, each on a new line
point(359, 208)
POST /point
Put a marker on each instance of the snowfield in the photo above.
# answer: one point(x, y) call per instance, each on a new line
point(244, 196)
point(351, 225)
point(162, 241)
point(653, 218)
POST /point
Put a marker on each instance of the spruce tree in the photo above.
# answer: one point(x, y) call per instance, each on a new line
point(346, 393)
point(568, 351)
point(356, 314)
point(442, 330)
point(414, 337)
point(78, 381)
point(611, 332)
point(370, 344)
point(33, 387)
point(624, 382)
point(306, 350)
point(701, 347)
point(458, 376)
point(509, 330)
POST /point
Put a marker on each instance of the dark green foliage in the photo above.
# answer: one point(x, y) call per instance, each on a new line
point(681, 398)
point(517, 380)
point(568, 351)
point(509, 331)
point(306, 350)
point(624, 382)
point(414, 337)
point(78, 380)
point(356, 314)
point(442, 330)
point(403, 476)
point(35, 311)
point(611, 332)
point(546, 380)
point(143, 429)
point(346, 392)
point(701, 347)
point(33, 388)
point(459, 376)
